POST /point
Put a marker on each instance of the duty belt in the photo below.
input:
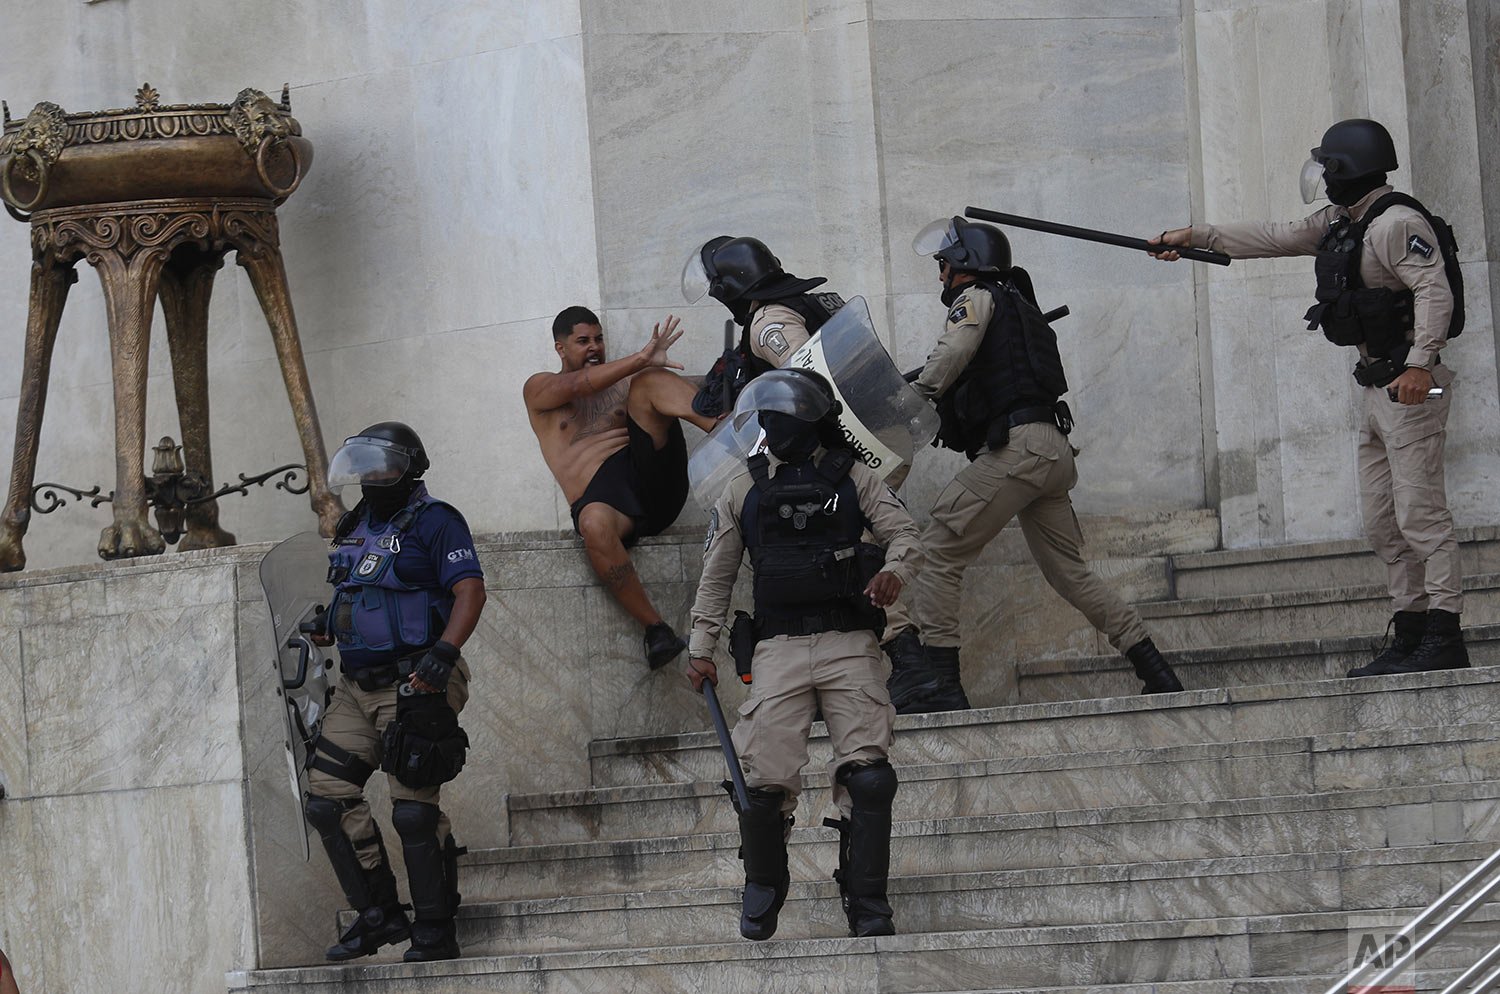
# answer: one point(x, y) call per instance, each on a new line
point(381, 676)
point(836, 620)
point(1029, 416)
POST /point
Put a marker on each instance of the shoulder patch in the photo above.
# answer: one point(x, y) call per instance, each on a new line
point(961, 314)
point(1416, 244)
point(773, 340)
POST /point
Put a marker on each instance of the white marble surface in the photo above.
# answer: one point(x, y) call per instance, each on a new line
point(481, 165)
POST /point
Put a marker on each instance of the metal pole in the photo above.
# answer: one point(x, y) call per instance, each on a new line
point(1094, 235)
point(1430, 912)
point(1488, 960)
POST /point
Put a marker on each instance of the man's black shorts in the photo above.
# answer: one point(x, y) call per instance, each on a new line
point(647, 484)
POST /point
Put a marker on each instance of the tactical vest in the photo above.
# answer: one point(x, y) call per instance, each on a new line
point(373, 611)
point(1016, 367)
point(1379, 318)
point(802, 528)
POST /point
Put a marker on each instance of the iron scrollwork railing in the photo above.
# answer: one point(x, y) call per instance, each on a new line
point(171, 489)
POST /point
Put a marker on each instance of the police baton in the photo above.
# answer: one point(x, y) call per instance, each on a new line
point(1092, 235)
point(742, 797)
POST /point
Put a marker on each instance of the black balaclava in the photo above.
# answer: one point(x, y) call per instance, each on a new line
point(386, 501)
point(790, 439)
point(951, 290)
point(1347, 193)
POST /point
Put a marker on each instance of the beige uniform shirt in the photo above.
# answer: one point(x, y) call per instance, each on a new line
point(1400, 252)
point(968, 319)
point(725, 547)
point(776, 332)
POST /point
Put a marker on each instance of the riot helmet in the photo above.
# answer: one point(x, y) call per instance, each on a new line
point(387, 454)
point(1350, 150)
point(964, 245)
point(727, 269)
point(796, 407)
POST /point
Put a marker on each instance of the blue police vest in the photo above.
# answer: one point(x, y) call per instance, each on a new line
point(372, 610)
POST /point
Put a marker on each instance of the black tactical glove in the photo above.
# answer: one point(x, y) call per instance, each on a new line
point(435, 667)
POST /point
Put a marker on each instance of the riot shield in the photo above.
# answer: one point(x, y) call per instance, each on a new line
point(293, 578)
point(884, 419)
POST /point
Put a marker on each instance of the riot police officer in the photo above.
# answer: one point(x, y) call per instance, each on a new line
point(777, 311)
point(998, 380)
point(799, 511)
point(1388, 283)
point(408, 591)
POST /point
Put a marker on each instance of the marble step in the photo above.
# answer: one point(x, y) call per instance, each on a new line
point(1299, 614)
point(1082, 677)
point(1207, 772)
point(1318, 822)
point(1309, 566)
point(1103, 894)
point(1229, 949)
point(1226, 714)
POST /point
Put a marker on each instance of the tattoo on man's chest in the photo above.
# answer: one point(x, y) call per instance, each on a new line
point(601, 411)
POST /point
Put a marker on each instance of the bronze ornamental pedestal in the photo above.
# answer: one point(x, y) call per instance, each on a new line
point(154, 197)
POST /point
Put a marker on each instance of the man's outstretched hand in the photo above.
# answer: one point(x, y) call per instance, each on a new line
point(655, 351)
point(1172, 240)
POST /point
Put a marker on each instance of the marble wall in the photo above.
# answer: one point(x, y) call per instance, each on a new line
point(482, 164)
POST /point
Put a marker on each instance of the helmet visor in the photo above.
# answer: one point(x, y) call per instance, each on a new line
point(1312, 181)
point(783, 391)
point(369, 462)
point(940, 234)
point(695, 281)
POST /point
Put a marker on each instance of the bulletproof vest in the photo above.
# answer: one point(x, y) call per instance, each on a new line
point(372, 610)
point(814, 308)
point(1379, 318)
point(802, 528)
point(1017, 366)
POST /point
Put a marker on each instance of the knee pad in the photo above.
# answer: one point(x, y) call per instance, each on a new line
point(324, 814)
point(415, 821)
point(870, 786)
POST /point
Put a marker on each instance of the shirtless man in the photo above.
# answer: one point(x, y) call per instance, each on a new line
point(610, 433)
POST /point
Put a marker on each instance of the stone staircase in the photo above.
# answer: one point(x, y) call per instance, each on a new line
point(1220, 840)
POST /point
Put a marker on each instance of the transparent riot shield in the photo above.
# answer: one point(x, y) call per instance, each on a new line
point(293, 576)
point(885, 421)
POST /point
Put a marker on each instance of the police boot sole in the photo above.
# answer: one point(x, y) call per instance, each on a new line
point(867, 927)
point(428, 954)
point(1396, 669)
point(758, 931)
point(371, 945)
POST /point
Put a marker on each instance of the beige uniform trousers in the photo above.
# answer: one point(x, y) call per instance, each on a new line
point(793, 675)
point(354, 722)
point(1029, 478)
point(1405, 500)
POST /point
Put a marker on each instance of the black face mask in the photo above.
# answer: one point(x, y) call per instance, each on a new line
point(1347, 193)
point(789, 439)
point(385, 502)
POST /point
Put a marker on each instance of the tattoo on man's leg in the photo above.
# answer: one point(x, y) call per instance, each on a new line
point(617, 576)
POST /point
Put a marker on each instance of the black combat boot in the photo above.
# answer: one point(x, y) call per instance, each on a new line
point(432, 872)
point(942, 660)
point(1153, 670)
point(911, 682)
point(383, 923)
point(1409, 627)
point(662, 645)
point(382, 917)
point(763, 831)
point(865, 847)
point(1442, 647)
